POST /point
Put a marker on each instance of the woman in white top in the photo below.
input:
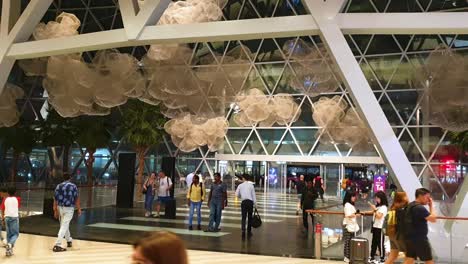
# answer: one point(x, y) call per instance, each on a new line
point(379, 210)
point(350, 226)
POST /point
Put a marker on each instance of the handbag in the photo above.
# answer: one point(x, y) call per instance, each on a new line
point(256, 220)
point(144, 190)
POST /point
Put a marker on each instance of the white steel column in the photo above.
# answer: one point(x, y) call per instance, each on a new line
point(324, 13)
point(20, 32)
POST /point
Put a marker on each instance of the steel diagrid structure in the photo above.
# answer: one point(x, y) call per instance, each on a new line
point(325, 19)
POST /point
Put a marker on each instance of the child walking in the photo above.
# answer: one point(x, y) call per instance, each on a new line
point(10, 216)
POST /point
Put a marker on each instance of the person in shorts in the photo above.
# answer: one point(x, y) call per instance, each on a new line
point(300, 186)
point(164, 191)
point(417, 242)
point(397, 241)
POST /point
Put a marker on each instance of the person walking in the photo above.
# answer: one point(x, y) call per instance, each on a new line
point(350, 225)
point(416, 218)
point(246, 192)
point(66, 199)
point(216, 202)
point(300, 185)
point(309, 195)
point(379, 211)
point(397, 241)
point(164, 191)
point(195, 197)
point(149, 189)
point(10, 217)
point(160, 248)
point(318, 185)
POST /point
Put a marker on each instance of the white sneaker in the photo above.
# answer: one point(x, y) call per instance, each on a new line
point(4, 242)
point(346, 260)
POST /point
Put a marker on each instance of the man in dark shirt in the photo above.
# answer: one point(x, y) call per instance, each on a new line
point(309, 195)
point(65, 201)
point(216, 202)
point(300, 185)
point(417, 242)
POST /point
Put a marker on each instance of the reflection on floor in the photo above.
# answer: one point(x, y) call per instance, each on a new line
point(280, 235)
point(37, 250)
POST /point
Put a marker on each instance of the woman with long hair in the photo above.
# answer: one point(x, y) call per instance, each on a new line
point(195, 198)
point(397, 244)
point(350, 226)
point(149, 189)
point(379, 211)
point(159, 248)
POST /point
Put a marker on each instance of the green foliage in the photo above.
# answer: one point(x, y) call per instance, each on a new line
point(56, 130)
point(460, 139)
point(92, 132)
point(142, 124)
point(20, 137)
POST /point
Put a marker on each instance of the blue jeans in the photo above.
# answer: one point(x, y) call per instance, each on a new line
point(12, 229)
point(149, 202)
point(193, 206)
point(215, 214)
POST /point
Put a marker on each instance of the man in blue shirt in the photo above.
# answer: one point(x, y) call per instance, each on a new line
point(216, 202)
point(65, 200)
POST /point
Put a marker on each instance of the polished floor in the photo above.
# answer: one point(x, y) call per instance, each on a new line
point(37, 250)
point(280, 235)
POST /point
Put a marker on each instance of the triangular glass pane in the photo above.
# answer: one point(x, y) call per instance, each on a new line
point(344, 149)
point(202, 55)
point(425, 3)
point(264, 8)
point(418, 168)
point(305, 138)
point(404, 102)
point(381, 5)
point(288, 76)
point(270, 73)
point(253, 146)
point(237, 138)
point(381, 44)
point(361, 41)
point(361, 6)
point(410, 148)
point(389, 111)
point(305, 119)
point(384, 67)
point(403, 40)
point(232, 9)
point(424, 43)
point(403, 6)
point(351, 45)
point(461, 41)
point(248, 12)
point(212, 165)
point(270, 51)
point(270, 138)
point(254, 80)
point(186, 166)
point(402, 78)
point(370, 76)
point(323, 149)
point(288, 146)
point(368, 151)
point(427, 138)
point(288, 8)
point(226, 148)
point(431, 182)
point(194, 154)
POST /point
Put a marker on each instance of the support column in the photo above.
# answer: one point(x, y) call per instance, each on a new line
point(324, 14)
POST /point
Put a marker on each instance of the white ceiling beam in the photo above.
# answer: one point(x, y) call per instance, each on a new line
point(363, 97)
point(21, 31)
point(308, 159)
point(403, 23)
point(134, 21)
point(11, 10)
point(204, 32)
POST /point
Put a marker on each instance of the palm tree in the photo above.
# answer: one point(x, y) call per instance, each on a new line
point(57, 131)
point(92, 132)
point(21, 139)
point(141, 126)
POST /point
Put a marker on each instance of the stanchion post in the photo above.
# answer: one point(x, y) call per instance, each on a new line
point(318, 241)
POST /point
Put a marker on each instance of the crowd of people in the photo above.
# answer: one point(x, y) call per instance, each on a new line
point(404, 223)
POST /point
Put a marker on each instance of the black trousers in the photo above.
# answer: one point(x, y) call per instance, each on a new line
point(247, 212)
point(305, 219)
point(377, 242)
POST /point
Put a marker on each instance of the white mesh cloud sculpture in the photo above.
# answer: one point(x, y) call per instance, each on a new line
point(255, 107)
point(189, 132)
point(445, 95)
point(66, 24)
point(9, 114)
point(314, 71)
point(340, 124)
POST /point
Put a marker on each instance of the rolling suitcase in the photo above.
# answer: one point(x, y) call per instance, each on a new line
point(359, 248)
point(170, 209)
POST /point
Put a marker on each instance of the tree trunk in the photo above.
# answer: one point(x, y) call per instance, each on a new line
point(14, 166)
point(141, 152)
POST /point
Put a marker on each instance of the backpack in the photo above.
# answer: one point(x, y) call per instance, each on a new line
point(404, 219)
point(390, 222)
